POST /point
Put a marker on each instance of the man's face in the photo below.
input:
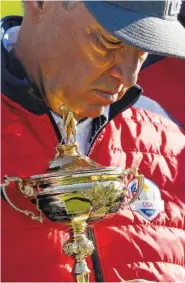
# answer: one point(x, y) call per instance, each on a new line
point(81, 64)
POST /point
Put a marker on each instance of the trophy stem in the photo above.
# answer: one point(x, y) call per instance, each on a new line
point(79, 248)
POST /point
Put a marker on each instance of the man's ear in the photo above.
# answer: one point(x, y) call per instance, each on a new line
point(40, 3)
point(34, 10)
point(35, 5)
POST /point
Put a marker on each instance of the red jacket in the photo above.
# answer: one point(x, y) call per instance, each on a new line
point(129, 246)
point(164, 82)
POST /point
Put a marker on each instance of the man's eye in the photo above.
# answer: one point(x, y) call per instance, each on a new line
point(110, 44)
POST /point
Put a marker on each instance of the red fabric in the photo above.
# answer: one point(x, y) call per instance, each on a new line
point(132, 246)
point(164, 82)
point(129, 246)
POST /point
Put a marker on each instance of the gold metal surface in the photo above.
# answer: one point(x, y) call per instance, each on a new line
point(80, 247)
point(75, 190)
point(69, 124)
point(25, 212)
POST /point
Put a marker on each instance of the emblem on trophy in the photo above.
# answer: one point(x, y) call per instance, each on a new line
point(75, 191)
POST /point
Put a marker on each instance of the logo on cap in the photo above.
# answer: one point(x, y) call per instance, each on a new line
point(149, 203)
point(173, 8)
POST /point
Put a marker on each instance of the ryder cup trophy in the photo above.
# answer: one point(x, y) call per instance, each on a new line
point(75, 191)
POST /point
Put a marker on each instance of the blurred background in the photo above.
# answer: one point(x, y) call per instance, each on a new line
point(11, 8)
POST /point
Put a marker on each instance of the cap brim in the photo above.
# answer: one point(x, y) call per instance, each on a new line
point(154, 35)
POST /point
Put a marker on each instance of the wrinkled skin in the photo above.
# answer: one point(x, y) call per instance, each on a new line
point(73, 60)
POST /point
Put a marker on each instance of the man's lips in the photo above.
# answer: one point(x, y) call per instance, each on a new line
point(111, 92)
point(107, 97)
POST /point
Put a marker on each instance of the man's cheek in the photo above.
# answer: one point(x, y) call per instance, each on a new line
point(99, 61)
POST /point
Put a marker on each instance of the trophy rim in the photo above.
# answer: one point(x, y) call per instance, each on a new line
point(82, 173)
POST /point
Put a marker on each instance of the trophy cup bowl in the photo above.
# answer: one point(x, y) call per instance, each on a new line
point(75, 191)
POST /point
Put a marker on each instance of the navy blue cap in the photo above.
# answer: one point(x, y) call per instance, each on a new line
point(151, 26)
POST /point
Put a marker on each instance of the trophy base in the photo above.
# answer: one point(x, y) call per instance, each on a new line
point(79, 248)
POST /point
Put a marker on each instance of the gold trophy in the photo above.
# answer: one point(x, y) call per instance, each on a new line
point(75, 191)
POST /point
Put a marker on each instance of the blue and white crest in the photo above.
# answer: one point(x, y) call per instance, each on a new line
point(149, 204)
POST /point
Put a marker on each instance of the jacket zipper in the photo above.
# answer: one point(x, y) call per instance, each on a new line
point(90, 232)
point(95, 257)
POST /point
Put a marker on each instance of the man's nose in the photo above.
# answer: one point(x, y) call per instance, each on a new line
point(128, 65)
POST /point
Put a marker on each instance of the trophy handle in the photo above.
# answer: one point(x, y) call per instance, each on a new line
point(25, 212)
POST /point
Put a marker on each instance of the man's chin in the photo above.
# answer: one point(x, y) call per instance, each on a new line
point(90, 112)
